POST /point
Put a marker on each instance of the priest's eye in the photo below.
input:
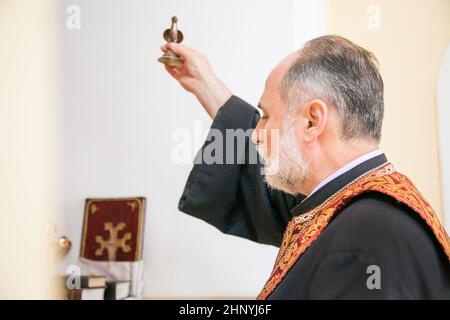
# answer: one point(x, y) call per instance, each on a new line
point(264, 116)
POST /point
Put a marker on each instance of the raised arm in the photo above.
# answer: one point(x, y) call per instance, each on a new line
point(232, 197)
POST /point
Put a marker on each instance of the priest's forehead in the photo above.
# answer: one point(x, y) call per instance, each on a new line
point(271, 95)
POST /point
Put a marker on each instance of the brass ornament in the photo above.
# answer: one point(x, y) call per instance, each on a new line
point(176, 36)
point(64, 245)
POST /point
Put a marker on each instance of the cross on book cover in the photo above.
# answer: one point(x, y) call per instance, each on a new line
point(113, 229)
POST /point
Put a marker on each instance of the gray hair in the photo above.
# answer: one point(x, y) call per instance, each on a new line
point(338, 71)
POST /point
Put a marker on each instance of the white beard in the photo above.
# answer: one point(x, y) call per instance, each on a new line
point(287, 169)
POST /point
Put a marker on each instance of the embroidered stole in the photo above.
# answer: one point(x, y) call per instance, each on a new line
point(303, 230)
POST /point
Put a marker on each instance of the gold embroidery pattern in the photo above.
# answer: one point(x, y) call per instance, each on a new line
point(113, 243)
point(303, 230)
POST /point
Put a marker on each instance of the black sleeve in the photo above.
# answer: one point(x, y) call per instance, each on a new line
point(234, 197)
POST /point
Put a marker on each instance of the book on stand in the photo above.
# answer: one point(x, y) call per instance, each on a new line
point(112, 241)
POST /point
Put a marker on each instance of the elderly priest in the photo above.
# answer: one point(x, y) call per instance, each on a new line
point(348, 224)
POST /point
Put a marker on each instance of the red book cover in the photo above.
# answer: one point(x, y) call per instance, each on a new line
point(113, 229)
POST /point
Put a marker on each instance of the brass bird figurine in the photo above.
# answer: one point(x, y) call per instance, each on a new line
point(172, 35)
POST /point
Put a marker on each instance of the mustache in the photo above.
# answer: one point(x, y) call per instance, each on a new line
point(261, 149)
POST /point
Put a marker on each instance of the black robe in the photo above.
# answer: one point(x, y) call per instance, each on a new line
point(373, 231)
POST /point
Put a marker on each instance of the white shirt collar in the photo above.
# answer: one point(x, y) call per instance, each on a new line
point(346, 168)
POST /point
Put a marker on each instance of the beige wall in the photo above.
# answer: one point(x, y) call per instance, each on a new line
point(410, 43)
point(28, 140)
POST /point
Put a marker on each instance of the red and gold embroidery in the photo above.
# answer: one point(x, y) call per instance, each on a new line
point(303, 230)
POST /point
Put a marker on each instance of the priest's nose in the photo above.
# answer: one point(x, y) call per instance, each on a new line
point(255, 136)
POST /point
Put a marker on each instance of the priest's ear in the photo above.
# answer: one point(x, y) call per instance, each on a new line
point(316, 115)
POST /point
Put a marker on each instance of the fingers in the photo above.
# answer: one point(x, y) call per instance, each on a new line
point(172, 71)
point(165, 47)
point(181, 50)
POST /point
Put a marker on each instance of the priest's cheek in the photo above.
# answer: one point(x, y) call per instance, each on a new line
point(272, 143)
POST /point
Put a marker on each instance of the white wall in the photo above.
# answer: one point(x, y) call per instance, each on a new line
point(443, 106)
point(120, 108)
